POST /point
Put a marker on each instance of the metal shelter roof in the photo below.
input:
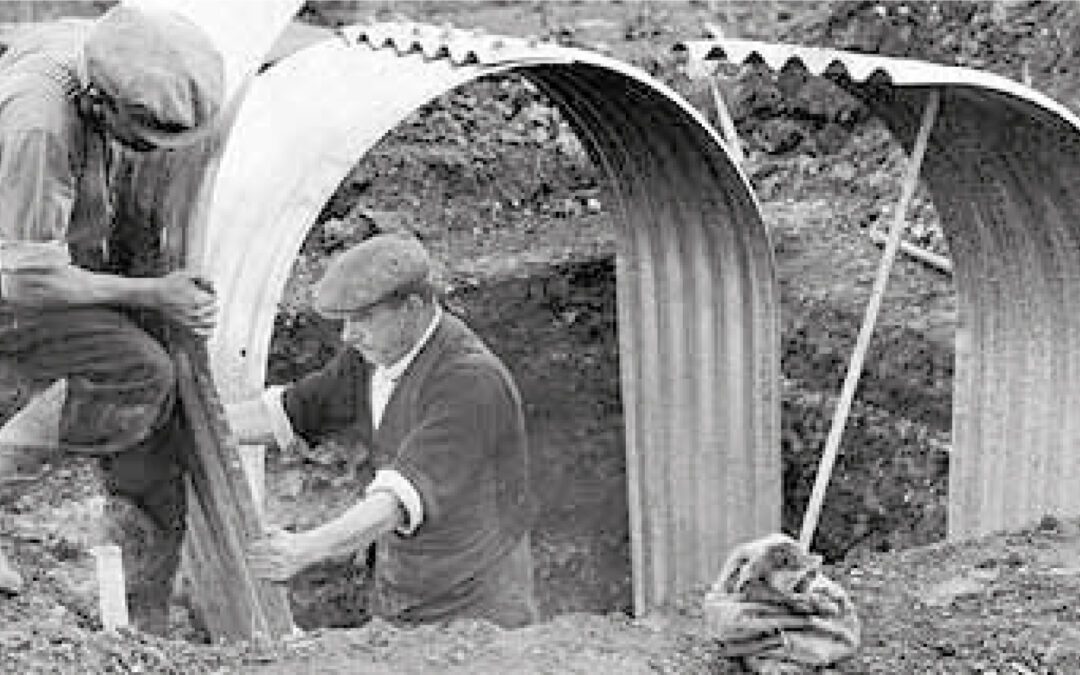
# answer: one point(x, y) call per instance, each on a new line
point(1003, 169)
point(697, 294)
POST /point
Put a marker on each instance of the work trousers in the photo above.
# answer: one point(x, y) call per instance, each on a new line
point(120, 407)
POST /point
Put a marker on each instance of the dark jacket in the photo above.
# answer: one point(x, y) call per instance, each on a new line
point(454, 428)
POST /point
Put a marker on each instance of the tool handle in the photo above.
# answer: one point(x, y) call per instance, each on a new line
point(862, 343)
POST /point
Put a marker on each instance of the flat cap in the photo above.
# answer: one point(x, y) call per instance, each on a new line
point(371, 271)
point(160, 62)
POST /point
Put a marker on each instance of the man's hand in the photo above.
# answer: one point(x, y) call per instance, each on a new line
point(182, 296)
point(188, 300)
point(280, 555)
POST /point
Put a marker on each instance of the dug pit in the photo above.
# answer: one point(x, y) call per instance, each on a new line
point(556, 330)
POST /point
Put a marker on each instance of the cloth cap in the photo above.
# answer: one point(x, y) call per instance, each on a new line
point(161, 62)
point(371, 271)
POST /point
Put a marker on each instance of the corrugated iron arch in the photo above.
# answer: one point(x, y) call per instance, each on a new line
point(1003, 169)
point(697, 294)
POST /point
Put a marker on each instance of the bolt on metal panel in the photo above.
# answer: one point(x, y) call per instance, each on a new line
point(697, 297)
point(1004, 172)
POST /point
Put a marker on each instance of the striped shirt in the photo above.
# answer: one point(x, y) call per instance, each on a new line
point(43, 152)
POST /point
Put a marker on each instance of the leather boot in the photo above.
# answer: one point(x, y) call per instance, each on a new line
point(151, 556)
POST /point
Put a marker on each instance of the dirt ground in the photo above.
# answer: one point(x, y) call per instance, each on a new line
point(514, 212)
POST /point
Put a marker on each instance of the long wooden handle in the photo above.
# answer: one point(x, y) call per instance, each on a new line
point(851, 380)
point(246, 607)
point(727, 124)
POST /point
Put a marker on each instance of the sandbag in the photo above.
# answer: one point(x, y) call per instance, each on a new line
point(773, 609)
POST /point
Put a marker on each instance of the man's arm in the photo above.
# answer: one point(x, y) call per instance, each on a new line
point(71, 286)
point(38, 192)
point(181, 296)
point(281, 555)
point(374, 515)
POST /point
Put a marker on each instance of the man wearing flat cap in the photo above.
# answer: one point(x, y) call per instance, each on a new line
point(73, 93)
point(449, 507)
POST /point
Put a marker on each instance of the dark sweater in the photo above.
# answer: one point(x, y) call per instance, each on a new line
point(454, 428)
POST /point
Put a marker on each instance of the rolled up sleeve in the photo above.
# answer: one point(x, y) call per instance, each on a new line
point(280, 426)
point(37, 194)
point(398, 485)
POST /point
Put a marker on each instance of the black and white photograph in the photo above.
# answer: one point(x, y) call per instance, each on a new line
point(683, 337)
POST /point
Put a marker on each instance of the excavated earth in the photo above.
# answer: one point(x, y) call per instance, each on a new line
point(494, 182)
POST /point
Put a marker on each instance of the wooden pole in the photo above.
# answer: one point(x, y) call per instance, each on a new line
point(226, 512)
point(851, 380)
point(253, 459)
point(727, 124)
point(237, 605)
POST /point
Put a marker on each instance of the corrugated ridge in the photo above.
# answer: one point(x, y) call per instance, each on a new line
point(460, 46)
point(1003, 170)
point(866, 68)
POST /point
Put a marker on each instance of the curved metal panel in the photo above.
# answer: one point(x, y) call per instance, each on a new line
point(690, 263)
point(1004, 173)
point(697, 296)
point(871, 69)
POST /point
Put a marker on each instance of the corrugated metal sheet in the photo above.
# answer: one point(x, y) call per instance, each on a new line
point(1004, 172)
point(697, 296)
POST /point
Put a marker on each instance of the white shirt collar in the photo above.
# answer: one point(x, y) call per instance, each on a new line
point(395, 370)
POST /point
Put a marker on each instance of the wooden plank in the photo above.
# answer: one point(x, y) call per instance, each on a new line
point(242, 606)
point(253, 457)
point(112, 601)
point(169, 192)
point(866, 331)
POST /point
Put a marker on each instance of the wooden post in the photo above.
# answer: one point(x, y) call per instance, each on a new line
point(253, 458)
point(112, 598)
point(235, 605)
point(727, 124)
point(851, 381)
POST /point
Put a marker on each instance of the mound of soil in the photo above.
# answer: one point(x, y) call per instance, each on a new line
point(1000, 604)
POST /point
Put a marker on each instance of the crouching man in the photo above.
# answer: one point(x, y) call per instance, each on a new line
point(71, 94)
point(449, 508)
